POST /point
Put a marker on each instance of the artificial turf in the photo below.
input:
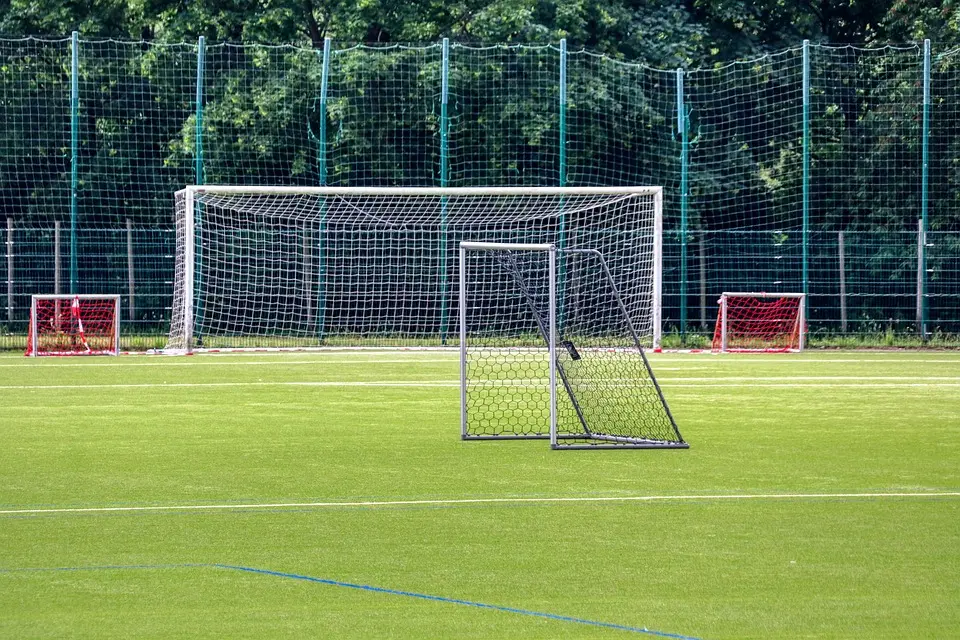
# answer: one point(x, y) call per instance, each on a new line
point(254, 495)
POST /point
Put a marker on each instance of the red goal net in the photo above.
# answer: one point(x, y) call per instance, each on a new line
point(73, 325)
point(760, 322)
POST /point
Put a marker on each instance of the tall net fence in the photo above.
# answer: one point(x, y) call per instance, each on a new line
point(826, 170)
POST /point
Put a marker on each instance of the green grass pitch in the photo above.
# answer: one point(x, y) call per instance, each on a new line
point(329, 495)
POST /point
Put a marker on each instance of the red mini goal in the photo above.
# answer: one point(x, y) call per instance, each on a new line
point(71, 325)
point(760, 322)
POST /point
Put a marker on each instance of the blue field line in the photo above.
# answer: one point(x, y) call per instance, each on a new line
point(468, 603)
point(359, 587)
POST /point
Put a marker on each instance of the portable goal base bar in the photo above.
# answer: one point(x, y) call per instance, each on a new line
point(267, 267)
point(760, 322)
point(74, 325)
point(548, 350)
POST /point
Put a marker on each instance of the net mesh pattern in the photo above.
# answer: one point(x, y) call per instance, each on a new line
point(308, 269)
point(606, 392)
point(68, 325)
point(758, 323)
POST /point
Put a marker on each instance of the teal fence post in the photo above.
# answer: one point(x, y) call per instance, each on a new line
point(198, 110)
point(322, 178)
point(74, 156)
point(806, 180)
point(444, 182)
point(562, 181)
point(563, 113)
point(322, 122)
point(683, 130)
point(198, 178)
point(924, 196)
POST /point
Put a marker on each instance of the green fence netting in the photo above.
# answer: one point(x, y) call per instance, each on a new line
point(829, 170)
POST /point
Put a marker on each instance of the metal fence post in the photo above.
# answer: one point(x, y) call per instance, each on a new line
point(682, 129)
point(841, 256)
point(74, 155)
point(198, 110)
point(444, 181)
point(131, 306)
point(322, 177)
point(806, 176)
point(924, 196)
point(9, 270)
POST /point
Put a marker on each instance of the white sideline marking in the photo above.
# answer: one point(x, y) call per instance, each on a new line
point(241, 363)
point(718, 381)
point(466, 501)
point(162, 385)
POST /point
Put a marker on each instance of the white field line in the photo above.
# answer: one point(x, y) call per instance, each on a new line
point(773, 382)
point(472, 501)
point(240, 363)
point(397, 357)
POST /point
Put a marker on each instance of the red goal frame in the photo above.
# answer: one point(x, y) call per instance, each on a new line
point(74, 325)
point(760, 322)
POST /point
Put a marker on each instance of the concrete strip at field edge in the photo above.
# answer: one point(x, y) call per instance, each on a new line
point(898, 495)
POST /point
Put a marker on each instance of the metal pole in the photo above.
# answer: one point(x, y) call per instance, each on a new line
point(562, 179)
point(444, 114)
point(843, 282)
point(723, 323)
point(924, 194)
point(657, 301)
point(198, 110)
point(322, 177)
point(74, 155)
point(552, 344)
point(682, 129)
point(921, 241)
point(444, 182)
point(56, 258)
point(563, 113)
point(194, 208)
point(9, 269)
point(188, 270)
point(322, 124)
point(703, 281)
point(463, 343)
point(806, 171)
point(130, 281)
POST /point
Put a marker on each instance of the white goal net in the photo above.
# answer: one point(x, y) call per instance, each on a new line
point(292, 267)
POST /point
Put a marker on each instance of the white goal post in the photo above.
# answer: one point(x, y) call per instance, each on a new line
point(307, 267)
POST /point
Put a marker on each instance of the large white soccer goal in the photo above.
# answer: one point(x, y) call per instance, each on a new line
point(301, 267)
point(548, 349)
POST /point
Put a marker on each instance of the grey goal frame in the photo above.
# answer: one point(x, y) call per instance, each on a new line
point(556, 374)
